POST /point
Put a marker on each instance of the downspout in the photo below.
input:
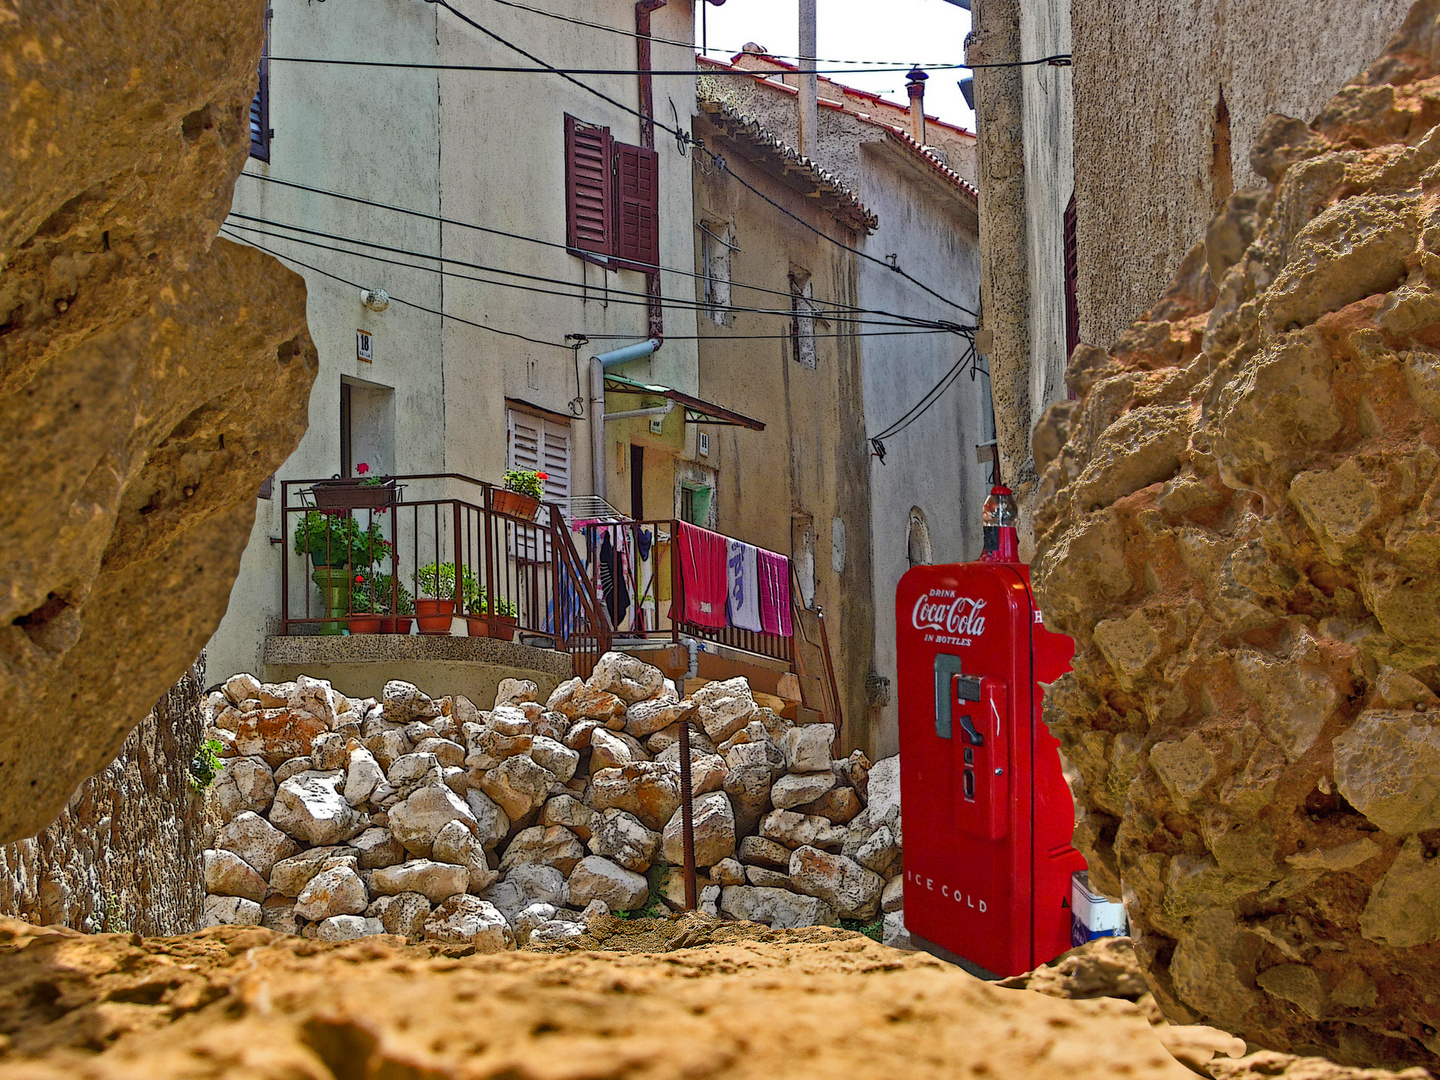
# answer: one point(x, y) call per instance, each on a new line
point(598, 364)
point(643, 8)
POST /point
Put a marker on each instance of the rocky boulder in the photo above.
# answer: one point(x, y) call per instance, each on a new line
point(776, 908)
point(595, 878)
point(845, 885)
point(714, 831)
point(629, 679)
point(310, 808)
point(433, 880)
point(468, 920)
point(646, 789)
point(337, 891)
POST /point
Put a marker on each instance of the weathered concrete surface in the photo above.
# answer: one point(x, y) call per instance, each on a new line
point(1150, 175)
point(125, 853)
point(1240, 534)
point(233, 1001)
point(149, 380)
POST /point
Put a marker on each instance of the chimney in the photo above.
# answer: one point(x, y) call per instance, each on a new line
point(809, 87)
point(915, 85)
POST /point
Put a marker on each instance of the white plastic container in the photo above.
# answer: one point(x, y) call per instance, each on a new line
point(1093, 916)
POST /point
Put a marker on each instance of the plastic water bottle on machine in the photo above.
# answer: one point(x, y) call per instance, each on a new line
point(998, 518)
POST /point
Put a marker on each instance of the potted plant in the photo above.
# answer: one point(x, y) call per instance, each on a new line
point(435, 604)
point(375, 601)
point(475, 607)
point(359, 491)
point(503, 619)
point(520, 498)
point(330, 539)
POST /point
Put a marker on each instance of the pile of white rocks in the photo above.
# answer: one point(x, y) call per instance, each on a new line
point(436, 820)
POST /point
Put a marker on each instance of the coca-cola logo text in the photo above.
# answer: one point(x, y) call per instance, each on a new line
point(942, 611)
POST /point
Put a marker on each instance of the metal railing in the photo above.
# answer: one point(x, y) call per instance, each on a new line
point(436, 552)
point(636, 579)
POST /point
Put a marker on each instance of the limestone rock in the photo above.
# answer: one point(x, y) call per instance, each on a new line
point(229, 911)
point(643, 719)
point(883, 783)
point(376, 847)
point(758, 851)
point(278, 734)
point(725, 707)
point(646, 789)
point(707, 771)
point(417, 821)
point(621, 838)
point(1404, 907)
point(608, 751)
point(714, 831)
point(363, 775)
point(256, 841)
point(289, 876)
point(468, 920)
point(227, 874)
point(446, 752)
point(311, 809)
point(403, 914)
point(807, 749)
point(492, 824)
point(838, 805)
point(528, 919)
point(547, 845)
point(433, 880)
point(777, 908)
point(404, 702)
point(762, 878)
point(727, 872)
point(879, 852)
point(798, 830)
point(581, 702)
point(517, 785)
point(348, 928)
point(570, 812)
point(1387, 765)
point(554, 757)
point(328, 752)
point(337, 891)
point(278, 913)
point(595, 878)
point(409, 771)
point(629, 679)
point(749, 789)
point(556, 932)
point(796, 789)
point(892, 897)
point(247, 783)
point(456, 844)
point(512, 691)
point(242, 687)
point(851, 889)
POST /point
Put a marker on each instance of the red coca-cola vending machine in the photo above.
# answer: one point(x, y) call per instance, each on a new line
point(988, 816)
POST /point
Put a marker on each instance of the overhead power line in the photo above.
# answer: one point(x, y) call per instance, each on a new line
point(567, 287)
point(930, 397)
point(394, 299)
point(440, 219)
point(509, 69)
point(683, 139)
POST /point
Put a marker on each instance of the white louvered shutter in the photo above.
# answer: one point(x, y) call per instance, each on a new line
point(540, 446)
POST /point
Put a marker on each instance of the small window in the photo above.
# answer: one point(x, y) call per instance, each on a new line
point(918, 551)
point(715, 248)
point(695, 504)
point(802, 318)
point(612, 196)
point(260, 130)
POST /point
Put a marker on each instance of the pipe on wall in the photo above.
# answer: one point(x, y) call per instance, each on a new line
point(598, 364)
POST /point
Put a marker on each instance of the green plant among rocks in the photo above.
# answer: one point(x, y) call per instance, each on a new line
point(206, 764)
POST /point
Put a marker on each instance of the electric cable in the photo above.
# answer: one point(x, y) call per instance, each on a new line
point(830, 304)
point(394, 299)
point(641, 299)
point(934, 394)
point(504, 69)
point(684, 139)
point(907, 331)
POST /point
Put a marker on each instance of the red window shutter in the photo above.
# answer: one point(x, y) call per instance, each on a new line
point(588, 193)
point(637, 204)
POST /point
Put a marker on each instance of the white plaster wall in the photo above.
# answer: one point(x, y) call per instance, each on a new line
point(1049, 113)
point(931, 464)
point(485, 148)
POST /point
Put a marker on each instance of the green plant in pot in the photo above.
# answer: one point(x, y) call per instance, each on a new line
point(503, 617)
point(375, 601)
point(435, 604)
point(520, 498)
point(335, 542)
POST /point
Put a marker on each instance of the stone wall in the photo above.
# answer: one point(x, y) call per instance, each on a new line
point(125, 853)
point(1238, 526)
point(151, 376)
point(434, 819)
point(1168, 101)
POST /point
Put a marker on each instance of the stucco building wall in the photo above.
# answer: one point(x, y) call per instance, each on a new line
point(474, 147)
point(1156, 154)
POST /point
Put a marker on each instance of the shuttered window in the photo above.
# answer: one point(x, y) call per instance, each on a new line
point(260, 132)
point(539, 445)
point(637, 203)
point(612, 195)
point(588, 188)
point(802, 318)
point(1072, 277)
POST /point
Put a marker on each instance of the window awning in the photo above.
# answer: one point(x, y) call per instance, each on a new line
point(696, 410)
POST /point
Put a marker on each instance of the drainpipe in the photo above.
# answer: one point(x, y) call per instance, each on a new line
point(631, 414)
point(916, 88)
point(809, 87)
point(643, 8)
point(598, 364)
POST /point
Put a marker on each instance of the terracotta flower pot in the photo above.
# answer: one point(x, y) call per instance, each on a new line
point(502, 627)
point(478, 625)
point(395, 626)
point(513, 504)
point(365, 624)
point(434, 615)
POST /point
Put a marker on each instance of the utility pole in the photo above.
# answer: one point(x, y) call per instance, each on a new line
point(809, 87)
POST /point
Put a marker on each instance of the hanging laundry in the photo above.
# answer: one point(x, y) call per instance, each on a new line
point(702, 575)
point(743, 580)
point(774, 578)
point(612, 581)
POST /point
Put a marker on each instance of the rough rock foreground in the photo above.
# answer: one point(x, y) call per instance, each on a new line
point(236, 1002)
point(151, 376)
point(1239, 530)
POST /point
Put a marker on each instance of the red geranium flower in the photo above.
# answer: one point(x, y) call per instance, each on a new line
point(359, 579)
point(542, 476)
point(362, 468)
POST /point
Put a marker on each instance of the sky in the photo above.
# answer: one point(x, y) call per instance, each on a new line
point(910, 31)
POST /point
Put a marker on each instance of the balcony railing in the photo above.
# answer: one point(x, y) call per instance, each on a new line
point(437, 552)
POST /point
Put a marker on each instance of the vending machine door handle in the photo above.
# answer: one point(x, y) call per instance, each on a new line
point(968, 726)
